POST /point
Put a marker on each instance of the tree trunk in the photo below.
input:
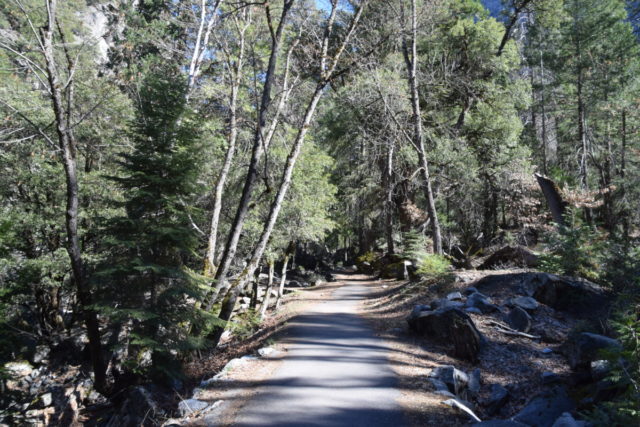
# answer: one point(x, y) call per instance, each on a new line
point(209, 269)
point(267, 295)
point(551, 192)
point(411, 64)
point(283, 279)
point(257, 152)
point(67, 146)
point(388, 205)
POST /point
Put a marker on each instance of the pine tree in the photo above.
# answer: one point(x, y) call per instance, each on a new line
point(146, 270)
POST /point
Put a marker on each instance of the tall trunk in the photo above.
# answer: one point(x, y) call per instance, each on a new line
point(328, 66)
point(283, 279)
point(545, 165)
point(68, 148)
point(388, 205)
point(624, 215)
point(236, 75)
point(256, 154)
point(411, 60)
point(267, 296)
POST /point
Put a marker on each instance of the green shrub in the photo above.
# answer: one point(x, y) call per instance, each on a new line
point(575, 250)
point(432, 265)
point(369, 257)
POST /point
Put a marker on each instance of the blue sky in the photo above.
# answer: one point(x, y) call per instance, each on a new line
point(494, 6)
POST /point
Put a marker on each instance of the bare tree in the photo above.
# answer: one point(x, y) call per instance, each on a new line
point(409, 51)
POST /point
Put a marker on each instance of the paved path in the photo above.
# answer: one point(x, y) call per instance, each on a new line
point(335, 372)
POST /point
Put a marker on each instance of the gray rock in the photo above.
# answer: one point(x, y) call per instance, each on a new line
point(46, 400)
point(455, 379)
point(563, 293)
point(586, 347)
point(566, 420)
point(544, 409)
point(497, 399)
point(474, 382)
point(526, 303)
point(445, 303)
point(267, 351)
point(191, 406)
point(416, 312)
point(438, 385)
point(481, 302)
point(42, 354)
point(454, 296)
point(450, 326)
point(519, 319)
point(470, 290)
point(18, 369)
point(473, 310)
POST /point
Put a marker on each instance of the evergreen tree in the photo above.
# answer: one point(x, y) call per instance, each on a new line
point(146, 269)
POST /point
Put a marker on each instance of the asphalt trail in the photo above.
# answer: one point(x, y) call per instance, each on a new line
point(335, 372)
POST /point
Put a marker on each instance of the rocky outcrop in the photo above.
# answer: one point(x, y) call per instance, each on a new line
point(544, 409)
point(448, 325)
point(584, 348)
point(518, 256)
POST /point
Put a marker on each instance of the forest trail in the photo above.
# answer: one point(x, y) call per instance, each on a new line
point(335, 372)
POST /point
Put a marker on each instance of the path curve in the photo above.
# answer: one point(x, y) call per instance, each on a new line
point(335, 372)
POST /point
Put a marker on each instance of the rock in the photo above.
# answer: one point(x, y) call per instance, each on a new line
point(563, 293)
point(519, 319)
point(330, 277)
point(526, 303)
point(474, 382)
point(18, 369)
point(454, 379)
point(46, 400)
point(445, 303)
point(415, 313)
point(470, 290)
point(481, 302)
point(450, 326)
point(497, 399)
point(438, 385)
point(544, 409)
point(473, 310)
point(585, 347)
point(138, 406)
point(41, 354)
point(518, 256)
point(566, 420)
point(191, 406)
point(546, 350)
point(454, 296)
point(267, 351)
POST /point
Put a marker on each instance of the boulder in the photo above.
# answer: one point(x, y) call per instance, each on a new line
point(470, 290)
point(564, 293)
point(519, 319)
point(191, 406)
point(473, 310)
point(544, 409)
point(449, 326)
point(585, 347)
point(41, 355)
point(481, 302)
point(497, 399)
point(18, 369)
point(525, 303)
point(518, 256)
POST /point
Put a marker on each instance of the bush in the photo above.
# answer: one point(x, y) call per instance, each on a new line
point(575, 250)
point(432, 265)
